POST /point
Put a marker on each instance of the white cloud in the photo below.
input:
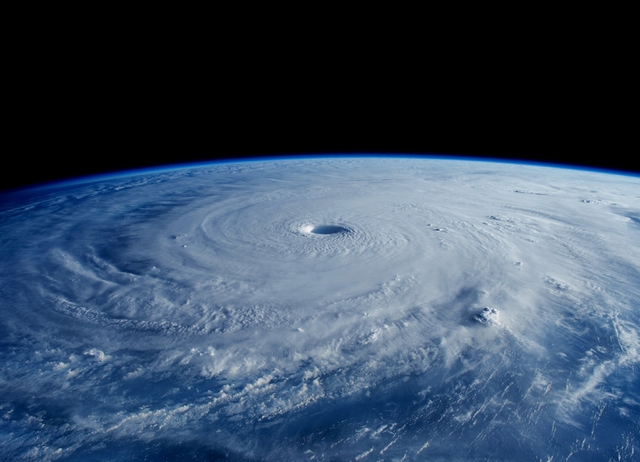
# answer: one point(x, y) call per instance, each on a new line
point(182, 306)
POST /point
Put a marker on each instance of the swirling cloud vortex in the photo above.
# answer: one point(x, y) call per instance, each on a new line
point(326, 309)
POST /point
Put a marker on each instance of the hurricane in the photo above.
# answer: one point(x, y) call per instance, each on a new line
point(326, 309)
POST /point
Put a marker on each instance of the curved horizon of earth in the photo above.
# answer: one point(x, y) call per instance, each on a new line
point(323, 309)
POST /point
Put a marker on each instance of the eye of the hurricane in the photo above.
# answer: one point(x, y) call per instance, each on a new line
point(324, 229)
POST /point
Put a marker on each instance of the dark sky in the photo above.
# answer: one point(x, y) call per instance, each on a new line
point(101, 149)
point(114, 130)
point(98, 104)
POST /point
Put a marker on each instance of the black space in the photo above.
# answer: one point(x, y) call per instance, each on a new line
point(122, 121)
point(85, 148)
point(88, 98)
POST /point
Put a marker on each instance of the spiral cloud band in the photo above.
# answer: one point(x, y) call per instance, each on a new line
point(326, 309)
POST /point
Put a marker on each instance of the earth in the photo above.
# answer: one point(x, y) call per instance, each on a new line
point(327, 309)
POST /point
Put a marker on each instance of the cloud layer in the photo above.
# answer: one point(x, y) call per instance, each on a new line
point(342, 309)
